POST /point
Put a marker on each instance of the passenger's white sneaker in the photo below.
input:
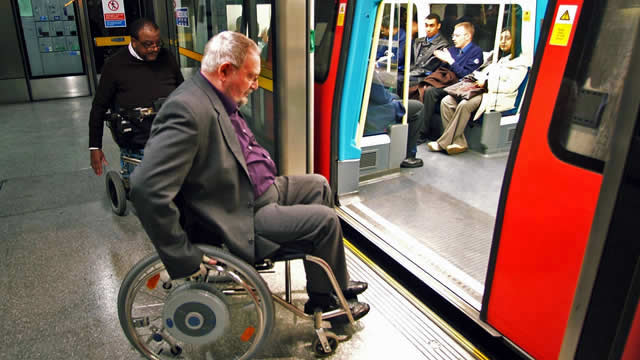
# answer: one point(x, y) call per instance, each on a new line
point(455, 149)
point(433, 146)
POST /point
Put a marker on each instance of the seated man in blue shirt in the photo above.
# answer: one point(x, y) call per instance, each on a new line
point(396, 53)
point(463, 58)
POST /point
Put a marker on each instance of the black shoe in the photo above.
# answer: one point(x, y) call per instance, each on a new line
point(411, 162)
point(354, 288)
point(358, 309)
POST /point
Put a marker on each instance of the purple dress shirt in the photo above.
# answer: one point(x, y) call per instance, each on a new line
point(262, 170)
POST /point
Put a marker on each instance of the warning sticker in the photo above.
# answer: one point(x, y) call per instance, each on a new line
point(563, 25)
point(341, 11)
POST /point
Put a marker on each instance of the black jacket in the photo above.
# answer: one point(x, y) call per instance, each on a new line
point(423, 59)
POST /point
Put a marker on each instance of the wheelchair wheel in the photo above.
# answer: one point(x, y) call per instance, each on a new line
point(333, 341)
point(227, 315)
point(117, 193)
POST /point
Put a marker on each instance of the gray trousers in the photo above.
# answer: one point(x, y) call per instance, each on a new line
point(297, 213)
point(455, 116)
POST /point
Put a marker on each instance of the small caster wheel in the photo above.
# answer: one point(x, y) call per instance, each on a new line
point(176, 350)
point(319, 349)
point(117, 193)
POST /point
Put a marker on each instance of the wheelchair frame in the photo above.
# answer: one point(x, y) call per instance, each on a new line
point(196, 315)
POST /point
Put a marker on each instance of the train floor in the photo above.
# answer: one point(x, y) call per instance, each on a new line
point(64, 254)
point(438, 217)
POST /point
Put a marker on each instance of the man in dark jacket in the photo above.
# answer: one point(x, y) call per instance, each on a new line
point(133, 77)
point(423, 61)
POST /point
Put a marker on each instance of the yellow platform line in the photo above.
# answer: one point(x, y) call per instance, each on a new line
point(415, 301)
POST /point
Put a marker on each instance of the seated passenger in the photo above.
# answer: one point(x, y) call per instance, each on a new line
point(202, 152)
point(396, 53)
point(423, 61)
point(501, 79)
point(463, 58)
point(386, 109)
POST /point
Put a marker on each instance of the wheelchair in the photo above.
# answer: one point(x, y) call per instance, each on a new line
point(130, 130)
point(227, 314)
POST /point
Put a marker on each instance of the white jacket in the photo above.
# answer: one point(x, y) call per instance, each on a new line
point(503, 80)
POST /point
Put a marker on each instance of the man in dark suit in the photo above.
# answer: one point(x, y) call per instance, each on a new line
point(202, 155)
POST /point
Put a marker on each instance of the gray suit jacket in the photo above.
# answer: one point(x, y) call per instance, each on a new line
point(193, 151)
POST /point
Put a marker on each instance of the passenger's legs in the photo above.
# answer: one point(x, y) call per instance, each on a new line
point(127, 168)
point(413, 120)
point(302, 218)
point(431, 99)
point(304, 189)
point(313, 229)
point(455, 117)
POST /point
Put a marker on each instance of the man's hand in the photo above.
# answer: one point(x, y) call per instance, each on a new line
point(444, 55)
point(97, 161)
point(202, 271)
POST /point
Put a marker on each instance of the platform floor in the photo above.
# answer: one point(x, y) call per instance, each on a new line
point(63, 254)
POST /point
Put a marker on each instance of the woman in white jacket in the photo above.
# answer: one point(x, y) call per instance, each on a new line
point(501, 79)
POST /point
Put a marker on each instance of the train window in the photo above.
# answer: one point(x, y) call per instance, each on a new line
point(325, 18)
point(589, 97)
point(392, 37)
point(484, 18)
point(384, 106)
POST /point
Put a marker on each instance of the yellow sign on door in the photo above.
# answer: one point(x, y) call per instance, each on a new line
point(563, 25)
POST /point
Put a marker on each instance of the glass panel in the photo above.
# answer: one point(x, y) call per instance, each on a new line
point(391, 43)
point(483, 17)
point(102, 50)
point(589, 97)
point(199, 20)
point(384, 106)
point(50, 32)
point(325, 32)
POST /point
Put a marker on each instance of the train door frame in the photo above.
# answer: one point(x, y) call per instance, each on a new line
point(591, 245)
point(348, 187)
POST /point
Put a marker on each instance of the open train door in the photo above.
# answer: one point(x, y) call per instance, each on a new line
point(564, 275)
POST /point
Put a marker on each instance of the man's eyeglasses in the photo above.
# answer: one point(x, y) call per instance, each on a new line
point(150, 44)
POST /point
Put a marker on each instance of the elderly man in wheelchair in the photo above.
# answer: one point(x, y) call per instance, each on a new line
point(204, 179)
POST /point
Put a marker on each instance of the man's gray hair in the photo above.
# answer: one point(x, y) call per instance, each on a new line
point(226, 47)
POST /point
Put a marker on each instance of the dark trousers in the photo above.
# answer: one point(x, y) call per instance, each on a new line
point(297, 213)
point(431, 100)
point(413, 120)
point(413, 80)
